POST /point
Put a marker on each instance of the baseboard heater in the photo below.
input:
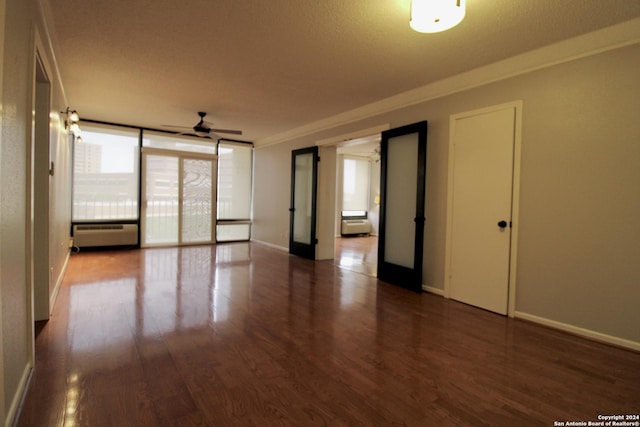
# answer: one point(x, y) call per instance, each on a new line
point(96, 235)
point(355, 226)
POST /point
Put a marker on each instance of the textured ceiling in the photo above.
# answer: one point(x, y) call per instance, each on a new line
point(270, 66)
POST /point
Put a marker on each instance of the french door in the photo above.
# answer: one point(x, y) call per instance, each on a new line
point(178, 198)
point(302, 219)
point(402, 197)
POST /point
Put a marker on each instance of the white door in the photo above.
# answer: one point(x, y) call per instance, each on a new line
point(480, 207)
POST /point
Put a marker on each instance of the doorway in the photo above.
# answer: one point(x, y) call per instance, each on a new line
point(42, 280)
point(482, 207)
point(358, 205)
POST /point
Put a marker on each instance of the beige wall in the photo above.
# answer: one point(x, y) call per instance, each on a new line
point(579, 237)
point(3, 412)
point(23, 26)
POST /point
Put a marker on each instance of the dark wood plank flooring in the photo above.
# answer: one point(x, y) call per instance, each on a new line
point(358, 253)
point(245, 335)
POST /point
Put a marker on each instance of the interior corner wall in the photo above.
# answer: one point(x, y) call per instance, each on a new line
point(271, 193)
point(3, 416)
point(60, 153)
point(23, 19)
point(579, 238)
point(327, 178)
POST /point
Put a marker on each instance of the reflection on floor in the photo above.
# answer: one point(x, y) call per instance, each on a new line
point(359, 254)
point(241, 334)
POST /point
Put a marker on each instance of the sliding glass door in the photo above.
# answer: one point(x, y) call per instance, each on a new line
point(178, 198)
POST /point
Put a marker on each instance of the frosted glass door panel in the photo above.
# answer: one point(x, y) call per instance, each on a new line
point(303, 198)
point(400, 204)
point(161, 216)
point(402, 193)
point(197, 201)
point(302, 219)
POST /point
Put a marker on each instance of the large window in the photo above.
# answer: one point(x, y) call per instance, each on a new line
point(355, 187)
point(234, 191)
point(105, 174)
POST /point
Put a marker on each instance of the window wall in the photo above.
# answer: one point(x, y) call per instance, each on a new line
point(107, 180)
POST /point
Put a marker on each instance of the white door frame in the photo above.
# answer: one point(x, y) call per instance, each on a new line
point(515, 201)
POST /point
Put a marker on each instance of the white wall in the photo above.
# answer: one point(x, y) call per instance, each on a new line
point(579, 237)
point(23, 29)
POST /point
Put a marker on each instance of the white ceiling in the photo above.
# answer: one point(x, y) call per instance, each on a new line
point(270, 66)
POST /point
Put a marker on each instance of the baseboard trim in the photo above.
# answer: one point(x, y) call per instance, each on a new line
point(587, 333)
point(271, 245)
point(18, 398)
point(56, 289)
point(433, 290)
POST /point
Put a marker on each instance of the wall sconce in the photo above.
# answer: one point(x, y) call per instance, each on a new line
point(432, 16)
point(75, 130)
point(71, 123)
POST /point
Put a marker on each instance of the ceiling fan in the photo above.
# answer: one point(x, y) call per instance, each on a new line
point(204, 129)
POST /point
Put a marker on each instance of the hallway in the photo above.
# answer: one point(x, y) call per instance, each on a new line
point(243, 334)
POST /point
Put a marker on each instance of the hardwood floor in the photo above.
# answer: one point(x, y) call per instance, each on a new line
point(245, 335)
point(359, 254)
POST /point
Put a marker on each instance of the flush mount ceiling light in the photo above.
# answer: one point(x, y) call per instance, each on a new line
point(432, 16)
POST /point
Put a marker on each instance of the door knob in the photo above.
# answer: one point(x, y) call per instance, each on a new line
point(502, 224)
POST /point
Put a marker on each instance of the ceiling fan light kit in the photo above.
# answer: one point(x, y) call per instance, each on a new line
point(433, 16)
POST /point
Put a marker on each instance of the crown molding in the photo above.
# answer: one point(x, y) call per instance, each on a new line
point(609, 38)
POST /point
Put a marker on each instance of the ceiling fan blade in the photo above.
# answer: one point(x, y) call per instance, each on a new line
point(177, 127)
point(231, 131)
point(194, 135)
